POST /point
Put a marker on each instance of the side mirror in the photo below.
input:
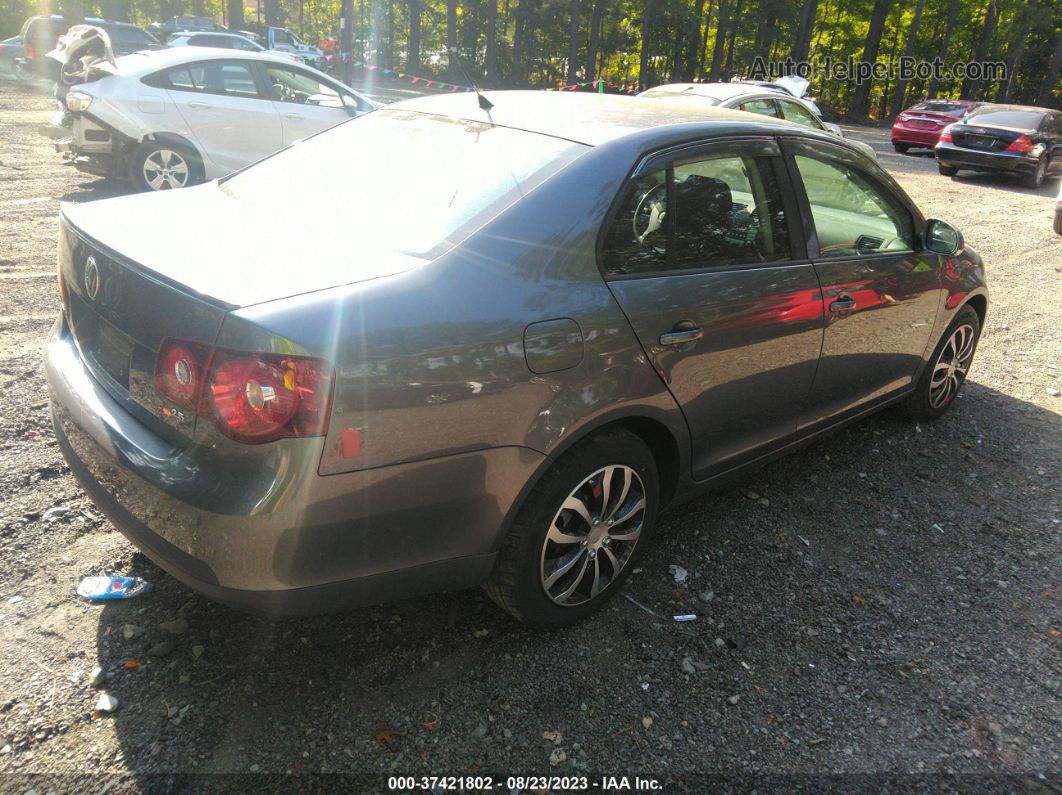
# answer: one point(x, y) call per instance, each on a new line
point(943, 238)
point(350, 105)
point(834, 128)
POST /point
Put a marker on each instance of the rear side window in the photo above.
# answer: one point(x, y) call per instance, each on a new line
point(940, 107)
point(720, 211)
point(208, 41)
point(764, 107)
point(213, 77)
point(244, 44)
point(792, 111)
point(854, 216)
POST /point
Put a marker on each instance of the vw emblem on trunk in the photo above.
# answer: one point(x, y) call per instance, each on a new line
point(92, 278)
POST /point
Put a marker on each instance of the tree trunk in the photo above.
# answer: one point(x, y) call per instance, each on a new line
point(861, 97)
point(595, 37)
point(1015, 49)
point(413, 45)
point(766, 30)
point(573, 41)
point(376, 33)
point(720, 40)
point(805, 27)
point(517, 75)
point(1053, 68)
point(346, 38)
point(643, 63)
point(693, 43)
point(984, 41)
point(73, 12)
point(728, 65)
point(272, 12)
point(912, 35)
point(704, 40)
point(492, 35)
point(451, 34)
point(197, 8)
point(234, 14)
point(949, 30)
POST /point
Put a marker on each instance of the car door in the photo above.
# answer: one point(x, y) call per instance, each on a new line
point(795, 112)
point(232, 123)
point(305, 103)
point(706, 257)
point(764, 106)
point(881, 292)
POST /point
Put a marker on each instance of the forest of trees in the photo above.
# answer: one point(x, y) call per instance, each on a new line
point(508, 43)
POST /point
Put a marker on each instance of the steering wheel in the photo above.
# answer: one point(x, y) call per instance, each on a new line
point(283, 92)
point(650, 212)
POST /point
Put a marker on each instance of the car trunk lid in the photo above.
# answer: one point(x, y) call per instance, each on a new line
point(984, 139)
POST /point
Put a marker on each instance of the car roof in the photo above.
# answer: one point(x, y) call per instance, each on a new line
point(98, 21)
point(210, 33)
point(152, 60)
point(994, 108)
point(584, 117)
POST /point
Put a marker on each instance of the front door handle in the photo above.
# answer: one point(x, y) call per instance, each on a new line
point(198, 105)
point(293, 116)
point(679, 337)
point(843, 304)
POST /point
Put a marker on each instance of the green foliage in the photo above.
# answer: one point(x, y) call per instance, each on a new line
point(681, 37)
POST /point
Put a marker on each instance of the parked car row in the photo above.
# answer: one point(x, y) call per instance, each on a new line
point(1017, 140)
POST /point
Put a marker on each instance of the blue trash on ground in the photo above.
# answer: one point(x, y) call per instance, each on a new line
point(108, 587)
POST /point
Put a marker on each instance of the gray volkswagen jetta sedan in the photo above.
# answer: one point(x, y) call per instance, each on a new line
point(439, 346)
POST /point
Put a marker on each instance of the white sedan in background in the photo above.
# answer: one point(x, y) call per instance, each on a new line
point(170, 118)
point(224, 41)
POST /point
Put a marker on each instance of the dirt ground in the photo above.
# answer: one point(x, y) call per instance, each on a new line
point(884, 606)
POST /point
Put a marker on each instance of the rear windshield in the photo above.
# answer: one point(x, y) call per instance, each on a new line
point(941, 107)
point(409, 182)
point(671, 93)
point(1018, 119)
point(130, 37)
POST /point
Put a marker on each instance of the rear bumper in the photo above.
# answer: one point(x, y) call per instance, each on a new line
point(904, 135)
point(285, 541)
point(1007, 162)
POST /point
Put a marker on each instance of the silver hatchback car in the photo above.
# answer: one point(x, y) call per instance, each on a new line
point(439, 346)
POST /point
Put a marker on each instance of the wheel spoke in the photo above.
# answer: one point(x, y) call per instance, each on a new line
point(156, 181)
point(575, 504)
point(563, 596)
point(166, 155)
point(564, 567)
point(627, 478)
point(612, 560)
point(558, 536)
point(595, 589)
point(606, 490)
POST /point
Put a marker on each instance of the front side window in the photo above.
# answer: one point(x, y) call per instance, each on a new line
point(245, 44)
point(291, 85)
point(792, 111)
point(710, 212)
point(854, 216)
point(764, 107)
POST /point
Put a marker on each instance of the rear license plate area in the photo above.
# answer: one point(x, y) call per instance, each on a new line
point(108, 347)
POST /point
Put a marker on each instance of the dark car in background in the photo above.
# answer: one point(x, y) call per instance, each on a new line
point(495, 367)
point(921, 124)
point(11, 51)
point(41, 33)
point(184, 23)
point(1017, 140)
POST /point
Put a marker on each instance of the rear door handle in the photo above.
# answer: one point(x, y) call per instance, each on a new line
point(293, 116)
point(198, 105)
point(680, 337)
point(843, 304)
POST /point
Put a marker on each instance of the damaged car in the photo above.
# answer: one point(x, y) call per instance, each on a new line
point(176, 117)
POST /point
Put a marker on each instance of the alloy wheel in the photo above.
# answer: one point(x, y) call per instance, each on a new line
point(593, 535)
point(949, 371)
point(166, 169)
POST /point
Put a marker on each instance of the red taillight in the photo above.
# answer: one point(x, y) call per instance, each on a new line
point(29, 51)
point(179, 371)
point(250, 397)
point(945, 136)
point(1023, 143)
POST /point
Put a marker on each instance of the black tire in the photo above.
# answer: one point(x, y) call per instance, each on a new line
point(947, 171)
point(164, 153)
point(1058, 221)
point(901, 148)
point(517, 584)
point(922, 404)
point(1036, 179)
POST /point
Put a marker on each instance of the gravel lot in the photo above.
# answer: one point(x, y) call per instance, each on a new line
point(885, 603)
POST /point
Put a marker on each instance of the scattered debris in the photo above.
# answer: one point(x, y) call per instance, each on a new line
point(55, 514)
point(806, 542)
point(685, 617)
point(14, 600)
point(97, 677)
point(647, 722)
point(176, 627)
point(385, 734)
point(129, 665)
point(654, 614)
point(160, 649)
point(734, 700)
point(554, 737)
point(197, 651)
point(481, 633)
point(106, 703)
point(687, 666)
point(1053, 392)
point(131, 631)
point(107, 587)
point(557, 757)
point(679, 573)
point(707, 596)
